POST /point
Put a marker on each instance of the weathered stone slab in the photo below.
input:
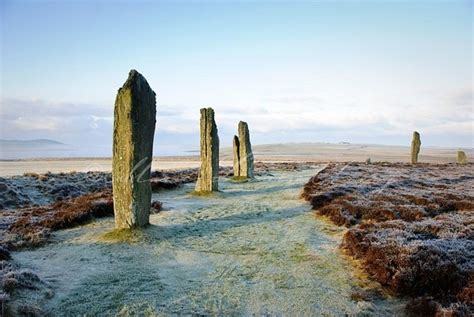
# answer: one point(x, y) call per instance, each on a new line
point(415, 147)
point(245, 151)
point(134, 128)
point(236, 155)
point(209, 172)
point(462, 158)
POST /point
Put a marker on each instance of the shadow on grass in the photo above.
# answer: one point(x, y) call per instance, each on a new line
point(206, 227)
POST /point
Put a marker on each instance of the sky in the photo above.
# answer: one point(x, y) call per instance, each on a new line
point(315, 71)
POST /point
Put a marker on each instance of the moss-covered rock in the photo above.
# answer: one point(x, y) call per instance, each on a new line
point(209, 172)
point(415, 147)
point(134, 128)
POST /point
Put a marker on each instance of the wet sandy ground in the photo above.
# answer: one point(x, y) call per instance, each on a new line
point(253, 248)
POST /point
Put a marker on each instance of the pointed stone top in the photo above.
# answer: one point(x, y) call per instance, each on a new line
point(416, 133)
point(133, 75)
point(243, 126)
point(208, 113)
point(136, 80)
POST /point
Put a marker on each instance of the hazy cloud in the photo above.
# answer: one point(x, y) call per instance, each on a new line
point(288, 116)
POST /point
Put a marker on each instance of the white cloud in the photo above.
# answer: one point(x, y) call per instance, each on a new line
point(438, 113)
point(36, 123)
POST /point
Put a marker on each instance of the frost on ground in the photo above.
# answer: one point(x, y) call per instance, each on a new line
point(30, 227)
point(253, 248)
point(33, 190)
point(21, 283)
point(413, 227)
point(37, 204)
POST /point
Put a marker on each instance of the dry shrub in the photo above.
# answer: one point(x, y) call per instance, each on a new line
point(416, 200)
point(28, 310)
point(4, 254)
point(31, 226)
point(321, 200)
point(422, 306)
point(263, 168)
point(430, 258)
point(12, 280)
point(159, 184)
point(19, 279)
point(156, 207)
point(336, 214)
point(412, 226)
point(466, 295)
point(386, 191)
point(410, 213)
point(67, 213)
point(427, 306)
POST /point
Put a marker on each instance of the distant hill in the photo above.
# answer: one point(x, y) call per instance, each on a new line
point(34, 142)
point(24, 149)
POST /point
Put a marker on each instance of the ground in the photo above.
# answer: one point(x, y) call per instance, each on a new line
point(253, 248)
point(411, 225)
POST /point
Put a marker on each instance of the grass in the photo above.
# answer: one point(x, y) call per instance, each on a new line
point(123, 235)
point(204, 193)
point(239, 179)
point(248, 258)
point(300, 253)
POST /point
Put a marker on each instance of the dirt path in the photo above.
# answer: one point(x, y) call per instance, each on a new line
point(254, 248)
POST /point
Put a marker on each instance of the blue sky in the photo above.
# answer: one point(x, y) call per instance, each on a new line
point(363, 72)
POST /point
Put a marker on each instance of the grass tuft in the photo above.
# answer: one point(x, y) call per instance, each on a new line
point(239, 179)
point(123, 235)
point(203, 193)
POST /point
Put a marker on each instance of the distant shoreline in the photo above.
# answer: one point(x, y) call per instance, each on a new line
point(88, 158)
point(289, 152)
point(262, 149)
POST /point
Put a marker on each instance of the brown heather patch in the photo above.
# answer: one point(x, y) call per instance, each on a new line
point(50, 201)
point(32, 226)
point(412, 227)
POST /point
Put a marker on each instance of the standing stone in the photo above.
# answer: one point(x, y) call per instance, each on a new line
point(236, 155)
point(209, 172)
point(134, 128)
point(245, 151)
point(415, 147)
point(462, 159)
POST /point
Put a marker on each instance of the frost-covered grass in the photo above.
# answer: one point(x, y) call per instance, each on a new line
point(123, 236)
point(411, 225)
point(254, 248)
point(240, 179)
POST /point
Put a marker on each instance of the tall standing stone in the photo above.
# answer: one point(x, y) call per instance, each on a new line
point(462, 158)
point(134, 128)
point(245, 151)
point(415, 147)
point(236, 155)
point(209, 172)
